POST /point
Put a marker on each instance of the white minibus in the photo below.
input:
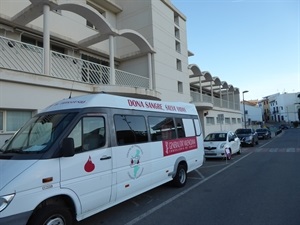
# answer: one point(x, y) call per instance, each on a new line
point(85, 154)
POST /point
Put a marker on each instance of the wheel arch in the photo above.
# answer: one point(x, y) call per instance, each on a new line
point(63, 199)
point(179, 161)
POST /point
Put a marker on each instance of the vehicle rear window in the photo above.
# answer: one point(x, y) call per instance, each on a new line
point(243, 131)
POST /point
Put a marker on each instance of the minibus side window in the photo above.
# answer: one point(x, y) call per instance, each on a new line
point(189, 127)
point(161, 128)
point(89, 134)
point(197, 126)
point(180, 128)
point(130, 129)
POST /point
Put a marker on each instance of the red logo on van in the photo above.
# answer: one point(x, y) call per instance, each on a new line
point(89, 165)
point(175, 146)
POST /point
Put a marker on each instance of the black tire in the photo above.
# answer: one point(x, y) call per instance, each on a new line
point(181, 176)
point(52, 215)
point(240, 150)
point(252, 144)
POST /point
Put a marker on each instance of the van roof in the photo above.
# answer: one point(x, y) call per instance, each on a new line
point(113, 101)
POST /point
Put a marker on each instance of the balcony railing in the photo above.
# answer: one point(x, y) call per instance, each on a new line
point(217, 102)
point(20, 56)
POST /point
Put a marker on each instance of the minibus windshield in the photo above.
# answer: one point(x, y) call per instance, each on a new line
point(38, 134)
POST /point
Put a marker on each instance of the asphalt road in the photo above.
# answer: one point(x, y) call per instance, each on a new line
point(259, 187)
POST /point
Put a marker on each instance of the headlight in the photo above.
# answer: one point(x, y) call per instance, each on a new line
point(222, 145)
point(5, 200)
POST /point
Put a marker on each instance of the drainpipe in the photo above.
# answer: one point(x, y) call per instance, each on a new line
point(46, 39)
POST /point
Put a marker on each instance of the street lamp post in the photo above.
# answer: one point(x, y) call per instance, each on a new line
point(244, 108)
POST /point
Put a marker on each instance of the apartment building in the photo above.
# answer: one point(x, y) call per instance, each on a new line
point(50, 50)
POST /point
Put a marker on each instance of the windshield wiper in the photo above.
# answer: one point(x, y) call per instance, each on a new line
point(16, 150)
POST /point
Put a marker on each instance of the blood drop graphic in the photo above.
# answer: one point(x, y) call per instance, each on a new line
point(89, 165)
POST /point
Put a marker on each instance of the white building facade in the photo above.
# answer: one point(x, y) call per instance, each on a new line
point(284, 108)
point(51, 50)
point(252, 116)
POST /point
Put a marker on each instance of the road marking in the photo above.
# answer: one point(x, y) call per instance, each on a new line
point(200, 174)
point(149, 212)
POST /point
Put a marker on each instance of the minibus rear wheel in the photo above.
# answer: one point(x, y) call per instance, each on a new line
point(53, 214)
point(181, 176)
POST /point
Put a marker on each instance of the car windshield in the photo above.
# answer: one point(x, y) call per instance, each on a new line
point(38, 134)
point(216, 137)
point(243, 131)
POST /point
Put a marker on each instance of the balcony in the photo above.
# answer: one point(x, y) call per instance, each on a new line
point(207, 102)
point(24, 57)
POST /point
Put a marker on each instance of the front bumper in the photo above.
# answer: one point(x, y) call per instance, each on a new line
point(246, 141)
point(18, 219)
point(214, 153)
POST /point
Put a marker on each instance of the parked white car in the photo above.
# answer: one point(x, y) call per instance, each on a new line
point(222, 144)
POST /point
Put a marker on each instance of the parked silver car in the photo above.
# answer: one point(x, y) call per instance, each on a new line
point(247, 136)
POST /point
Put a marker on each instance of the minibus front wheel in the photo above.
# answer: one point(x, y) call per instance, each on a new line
point(181, 176)
point(52, 215)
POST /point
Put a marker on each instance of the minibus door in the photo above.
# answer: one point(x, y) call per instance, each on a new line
point(89, 172)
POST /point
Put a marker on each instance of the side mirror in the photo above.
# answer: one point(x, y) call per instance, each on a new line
point(67, 147)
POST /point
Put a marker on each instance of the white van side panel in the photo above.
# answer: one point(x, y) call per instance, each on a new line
point(141, 167)
point(89, 177)
point(31, 186)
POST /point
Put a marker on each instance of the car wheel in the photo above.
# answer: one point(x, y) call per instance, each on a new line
point(181, 176)
point(252, 143)
point(52, 214)
point(240, 150)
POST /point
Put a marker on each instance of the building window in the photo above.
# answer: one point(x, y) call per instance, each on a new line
point(177, 33)
point(178, 64)
point(176, 19)
point(233, 120)
point(210, 120)
point(13, 120)
point(180, 87)
point(177, 46)
point(239, 120)
point(31, 41)
point(227, 120)
point(58, 49)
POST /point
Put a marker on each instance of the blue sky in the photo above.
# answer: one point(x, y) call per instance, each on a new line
point(252, 44)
